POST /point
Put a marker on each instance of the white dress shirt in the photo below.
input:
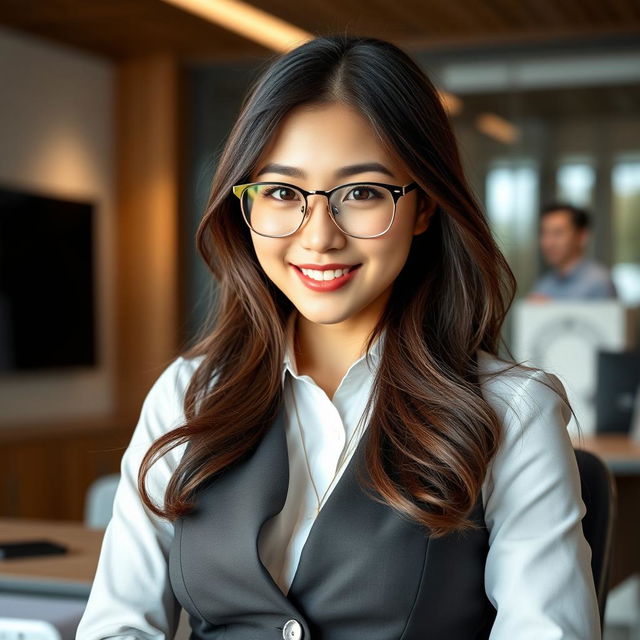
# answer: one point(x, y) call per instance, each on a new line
point(537, 574)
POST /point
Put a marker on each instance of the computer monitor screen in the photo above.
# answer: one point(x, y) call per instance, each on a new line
point(47, 288)
point(618, 379)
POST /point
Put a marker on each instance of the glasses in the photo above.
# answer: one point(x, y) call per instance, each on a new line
point(358, 209)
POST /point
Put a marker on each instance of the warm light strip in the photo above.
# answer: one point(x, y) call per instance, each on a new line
point(497, 128)
point(452, 104)
point(247, 21)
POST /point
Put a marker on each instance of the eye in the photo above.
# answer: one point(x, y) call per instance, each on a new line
point(362, 192)
point(278, 192)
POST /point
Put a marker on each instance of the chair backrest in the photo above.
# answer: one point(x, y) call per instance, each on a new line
point(98, 506)
point(45, 617)
point(23, 628)
point(599, 497)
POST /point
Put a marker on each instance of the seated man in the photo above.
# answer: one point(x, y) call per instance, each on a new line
point(564, 235)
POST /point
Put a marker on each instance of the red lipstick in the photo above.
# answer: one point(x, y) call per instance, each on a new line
point(326, 285)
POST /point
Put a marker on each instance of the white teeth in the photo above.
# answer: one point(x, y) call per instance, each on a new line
point(327, 274)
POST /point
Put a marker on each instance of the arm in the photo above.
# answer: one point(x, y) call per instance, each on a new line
point(538, 571)
point(131, 596)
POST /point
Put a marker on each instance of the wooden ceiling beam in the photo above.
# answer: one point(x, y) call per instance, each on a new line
point(121, 29)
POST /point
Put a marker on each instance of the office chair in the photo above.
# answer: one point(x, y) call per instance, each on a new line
point(29, 616)
point(27, 629)
point(599, 497)
point(98, 506)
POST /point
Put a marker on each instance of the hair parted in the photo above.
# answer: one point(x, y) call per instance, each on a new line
point(431, 433)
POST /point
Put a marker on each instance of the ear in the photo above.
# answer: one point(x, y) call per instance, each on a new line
point(425, 209)
point(583, 238)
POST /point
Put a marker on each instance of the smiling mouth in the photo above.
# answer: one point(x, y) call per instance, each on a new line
point(326, 280)
point(326, 275)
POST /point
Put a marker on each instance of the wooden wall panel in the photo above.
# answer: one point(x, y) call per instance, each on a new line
point(148, 169)
point(48, 475)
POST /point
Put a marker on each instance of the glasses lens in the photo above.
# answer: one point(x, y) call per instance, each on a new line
point(273, 209)
point(363, 210)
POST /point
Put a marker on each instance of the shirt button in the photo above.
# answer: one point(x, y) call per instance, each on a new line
point(292, 630)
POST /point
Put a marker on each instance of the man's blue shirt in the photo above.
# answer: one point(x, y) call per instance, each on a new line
point(586, 280)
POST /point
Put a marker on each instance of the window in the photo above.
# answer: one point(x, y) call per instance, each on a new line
point(512, 208)
point(625, 182)
point(575, 181)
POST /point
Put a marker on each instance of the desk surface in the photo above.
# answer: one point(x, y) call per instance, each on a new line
point(621, 453)
point(70, 573)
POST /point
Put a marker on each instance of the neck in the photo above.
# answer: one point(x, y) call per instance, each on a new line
point(569, 264)
point(326, 351)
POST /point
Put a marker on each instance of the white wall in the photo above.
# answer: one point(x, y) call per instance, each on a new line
point(57, 138)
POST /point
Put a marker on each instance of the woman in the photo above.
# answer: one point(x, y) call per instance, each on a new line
point(343, 455)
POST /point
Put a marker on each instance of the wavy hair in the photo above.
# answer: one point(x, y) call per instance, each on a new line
point(431, 434)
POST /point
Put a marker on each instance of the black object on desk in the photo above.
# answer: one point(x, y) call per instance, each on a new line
point(27, 548)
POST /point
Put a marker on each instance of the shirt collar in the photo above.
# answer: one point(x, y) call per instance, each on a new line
point(288, 363)
point(575, 269)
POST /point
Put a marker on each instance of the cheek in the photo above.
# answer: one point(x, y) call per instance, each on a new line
point(399, 241)
point(390, 254)
point(270, 253)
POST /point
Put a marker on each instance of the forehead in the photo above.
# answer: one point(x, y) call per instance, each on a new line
point(556, 219)
point(320, 137)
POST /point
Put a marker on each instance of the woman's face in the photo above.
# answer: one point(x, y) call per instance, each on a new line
point(313, 148)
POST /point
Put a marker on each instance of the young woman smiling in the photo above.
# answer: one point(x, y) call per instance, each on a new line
point(343, 454)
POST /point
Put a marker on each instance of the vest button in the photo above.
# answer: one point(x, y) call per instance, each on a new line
point(292, 630)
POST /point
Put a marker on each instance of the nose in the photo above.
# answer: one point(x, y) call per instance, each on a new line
point(319, 232)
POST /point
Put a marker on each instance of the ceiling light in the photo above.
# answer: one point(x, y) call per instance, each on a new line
point(248, 21)
point(452, 104)
point(498, 128)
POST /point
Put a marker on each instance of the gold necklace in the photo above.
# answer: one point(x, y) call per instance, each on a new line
point(320, 500)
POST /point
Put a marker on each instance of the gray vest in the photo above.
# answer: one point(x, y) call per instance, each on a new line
point(365, 573)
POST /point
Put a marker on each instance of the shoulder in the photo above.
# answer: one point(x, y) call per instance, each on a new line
point(596, 273)
point(534, 412)
point(595, 268)
point(161, 412)
point(162, 408)
point(170, 386)
point(521, 393)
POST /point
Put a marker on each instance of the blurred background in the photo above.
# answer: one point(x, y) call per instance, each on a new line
point(112, 117)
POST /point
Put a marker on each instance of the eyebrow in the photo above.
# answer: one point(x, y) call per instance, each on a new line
point(343, 172)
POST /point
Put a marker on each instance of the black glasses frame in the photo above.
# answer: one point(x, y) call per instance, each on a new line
point(396, 191)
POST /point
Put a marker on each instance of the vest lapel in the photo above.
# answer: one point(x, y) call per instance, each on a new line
point(229, 513)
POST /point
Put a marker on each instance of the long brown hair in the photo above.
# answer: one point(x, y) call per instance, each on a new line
point(431, 434)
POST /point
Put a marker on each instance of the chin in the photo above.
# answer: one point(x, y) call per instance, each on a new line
point(324, 316)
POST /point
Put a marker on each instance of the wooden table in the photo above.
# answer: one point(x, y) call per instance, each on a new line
point(622, 456)
point(621, 453)
point(66, 574)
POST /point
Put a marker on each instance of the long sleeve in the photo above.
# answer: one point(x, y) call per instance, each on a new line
point(538, 571)
point(131, 597)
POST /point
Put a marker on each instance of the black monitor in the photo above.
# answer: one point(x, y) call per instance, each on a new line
point(47, 288)
point(618, 379)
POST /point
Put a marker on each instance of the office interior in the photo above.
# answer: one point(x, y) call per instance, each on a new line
point(117, 111)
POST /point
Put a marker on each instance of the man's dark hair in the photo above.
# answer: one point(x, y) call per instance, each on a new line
point(580, 218)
